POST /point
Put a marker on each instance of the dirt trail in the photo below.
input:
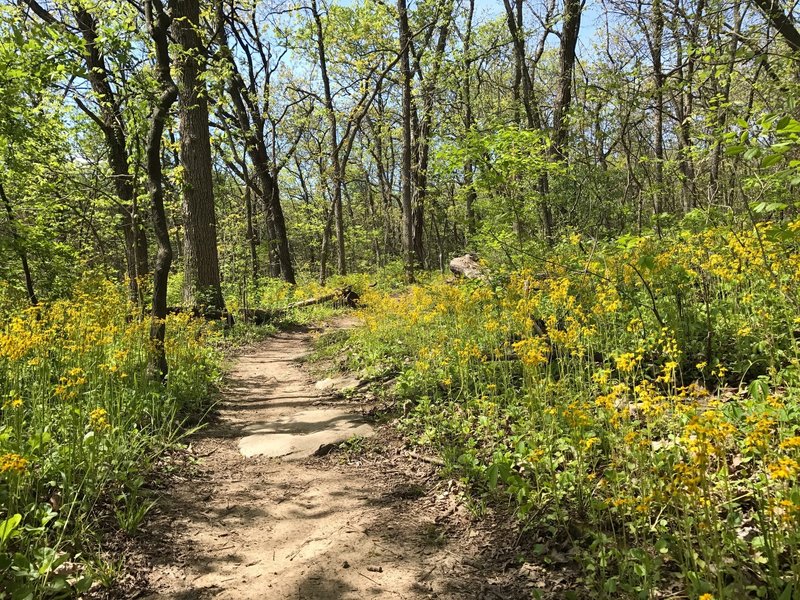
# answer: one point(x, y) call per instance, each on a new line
point(273, 528)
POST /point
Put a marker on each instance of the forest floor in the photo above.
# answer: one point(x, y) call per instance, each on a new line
point(253, 513)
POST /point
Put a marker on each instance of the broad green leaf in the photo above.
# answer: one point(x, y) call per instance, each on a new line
point(9, 526)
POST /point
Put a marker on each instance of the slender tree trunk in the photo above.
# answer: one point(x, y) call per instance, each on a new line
point(721, 111)
point(469, 167)
point(253, 132)
point(686, 100)
point(325, 249)
point(111, 123)
point(278, 241)
point(515, 27)
point(658, 79)
point(514, 21)
point(566, 58)
point(423, 142)
point(20, 247)
point(201, 258)
point(252, 241)
point(405, 173)
point(336, 163)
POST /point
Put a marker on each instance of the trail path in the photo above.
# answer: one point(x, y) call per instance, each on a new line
point(265, 520)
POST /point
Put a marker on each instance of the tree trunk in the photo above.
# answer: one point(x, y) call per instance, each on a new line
point(469, 167)
point(272, 192)
point(201, 259)
point(515, 27)
point(251, 124)
point(158, 24)
point(251, 235)
point(658, 79)
point(110, 121)
point(423, 140)
point(405, 173)
point(20, 248)
point(336, 163)
point(566, 58)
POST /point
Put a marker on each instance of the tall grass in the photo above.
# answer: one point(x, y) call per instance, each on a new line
point(80, 423)
point(636, 402)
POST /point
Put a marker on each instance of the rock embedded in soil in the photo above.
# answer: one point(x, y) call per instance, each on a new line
point(467, 266)
point(299, 435)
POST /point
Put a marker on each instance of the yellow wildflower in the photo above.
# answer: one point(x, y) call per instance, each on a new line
point(13, 463)
point(791, 442)
point(589, 442)
point(532, 351)
point(98, 419)
point(601, 377)
point(784, 468)
point(626, 362)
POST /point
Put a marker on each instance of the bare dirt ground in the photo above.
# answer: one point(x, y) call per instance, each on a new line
point(368, 523)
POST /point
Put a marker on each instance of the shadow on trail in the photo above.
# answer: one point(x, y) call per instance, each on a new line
point(335, 528)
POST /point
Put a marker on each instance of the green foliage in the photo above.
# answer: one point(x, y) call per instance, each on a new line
point(636, 401)
point(81, 425)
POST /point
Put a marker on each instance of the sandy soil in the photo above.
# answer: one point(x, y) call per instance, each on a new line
point(369, 525)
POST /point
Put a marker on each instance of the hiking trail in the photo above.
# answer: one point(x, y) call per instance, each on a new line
point(266, 519)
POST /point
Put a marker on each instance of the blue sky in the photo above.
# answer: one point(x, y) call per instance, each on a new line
point(591, 22)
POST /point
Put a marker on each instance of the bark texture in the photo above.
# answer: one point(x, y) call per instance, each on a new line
point(158, 24)
point(201, 259)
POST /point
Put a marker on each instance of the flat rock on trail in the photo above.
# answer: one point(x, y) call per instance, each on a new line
point(259, 521)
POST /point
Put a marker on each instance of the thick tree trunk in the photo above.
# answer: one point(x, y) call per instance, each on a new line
point(566, 59)
point(201, 259)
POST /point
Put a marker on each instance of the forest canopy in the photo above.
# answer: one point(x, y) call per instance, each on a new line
point(345, 137)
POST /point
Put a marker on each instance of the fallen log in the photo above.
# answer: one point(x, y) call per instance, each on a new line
point(342, 297)
point(200, 312)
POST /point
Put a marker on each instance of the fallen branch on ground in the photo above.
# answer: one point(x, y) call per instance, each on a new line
point(428, 459)
point(260, 316)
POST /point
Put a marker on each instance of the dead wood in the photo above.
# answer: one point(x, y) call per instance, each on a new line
point(342, 297)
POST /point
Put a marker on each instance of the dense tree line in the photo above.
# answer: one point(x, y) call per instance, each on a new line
point(271, 138)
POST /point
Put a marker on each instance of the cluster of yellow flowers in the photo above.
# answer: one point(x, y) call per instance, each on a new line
point(620, 370)
point(13, 463)
point(98, 420)
point(22, 335)
point(532, 351)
